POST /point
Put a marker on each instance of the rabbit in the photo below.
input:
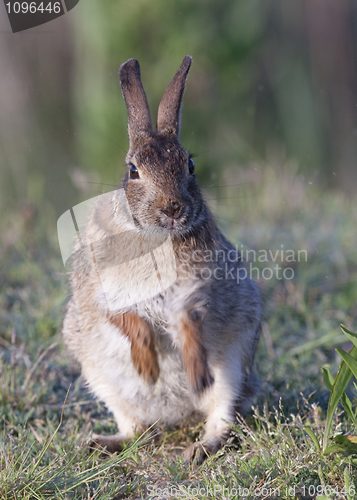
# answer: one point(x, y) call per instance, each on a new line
point(188, 348)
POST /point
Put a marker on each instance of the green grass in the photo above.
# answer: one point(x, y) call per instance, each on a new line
point(47, 416)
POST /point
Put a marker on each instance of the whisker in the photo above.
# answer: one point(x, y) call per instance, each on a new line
point(228, 185)
point(225, 205)
point(229, 197)
point(225, 220)
point(97, 183)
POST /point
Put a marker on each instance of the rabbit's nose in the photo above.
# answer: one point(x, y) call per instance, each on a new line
point(173, 210)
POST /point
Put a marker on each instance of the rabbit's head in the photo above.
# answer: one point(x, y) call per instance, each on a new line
point(160, 183)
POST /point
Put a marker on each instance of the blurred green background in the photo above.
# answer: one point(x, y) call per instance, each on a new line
point(272, 82)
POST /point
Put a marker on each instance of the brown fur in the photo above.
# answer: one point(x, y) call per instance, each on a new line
point(139, 125)
point(168, 117)
point(143, 351)
point(194, 355)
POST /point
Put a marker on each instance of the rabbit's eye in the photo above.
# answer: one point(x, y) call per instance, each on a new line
point(134, 174)
point(191, 166)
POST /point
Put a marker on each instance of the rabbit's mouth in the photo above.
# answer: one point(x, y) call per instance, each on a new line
point(171, 225)
point(174, 225)
point(174, 221)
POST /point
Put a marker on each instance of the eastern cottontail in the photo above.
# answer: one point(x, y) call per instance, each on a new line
point(187, 345)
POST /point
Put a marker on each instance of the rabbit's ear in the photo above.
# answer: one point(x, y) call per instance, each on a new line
point(139, 124)
point(168, 118)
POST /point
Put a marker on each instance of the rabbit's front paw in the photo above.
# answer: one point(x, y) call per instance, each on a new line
point(194, 357)
point(143, 353)
point(144, 356)
point(198, 372)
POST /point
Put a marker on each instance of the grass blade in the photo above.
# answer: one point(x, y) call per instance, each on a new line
point(349, 333)
point(348, 407)
point(329, 381)
point(313, 437)
point(350, 361)
point(328, 378)
point(330, 339)
point(343, 377)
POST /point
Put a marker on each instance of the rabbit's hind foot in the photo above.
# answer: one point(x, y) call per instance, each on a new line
point(108, 444)
point(197, 452)
point(116, 442)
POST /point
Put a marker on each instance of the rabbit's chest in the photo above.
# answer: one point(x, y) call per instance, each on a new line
point(161, 307)
point(164, 310)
